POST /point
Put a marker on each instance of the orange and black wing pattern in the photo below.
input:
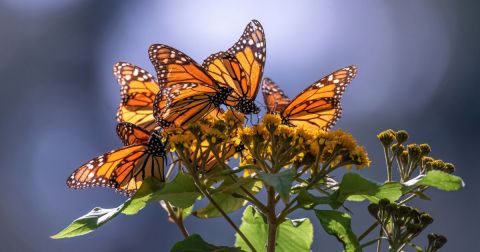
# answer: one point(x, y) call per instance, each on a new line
point(274, 97)
point(131, 134)
point(189, 93)
point(241, 67)
point(175, 67)
point(182, 104)
point(138, 91)
point(124, 169)
point(318, 106)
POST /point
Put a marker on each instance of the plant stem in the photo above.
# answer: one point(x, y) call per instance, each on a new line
point(225, 215)
point(368, 231)
point(389, 164)
point(379, 242)
point(177, 219)
point(271, 219)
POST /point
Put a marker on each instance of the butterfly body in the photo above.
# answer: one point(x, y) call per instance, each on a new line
point(228, 78)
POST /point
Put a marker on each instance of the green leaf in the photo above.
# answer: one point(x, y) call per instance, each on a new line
point(438, 179)
point(224, 197)
point(308, 201)
point(338, 224)
point(356, 188)
point(195, 243)
point(281, 182)
point(143, 196)
point(89, 222)
point(292, 235)
point(181, 192)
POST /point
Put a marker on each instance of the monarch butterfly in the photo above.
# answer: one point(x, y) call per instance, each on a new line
point(125, 168)
point(241, 68)
point(231, 78)
point(316, 107)
point(138, 90)
point(189, 92)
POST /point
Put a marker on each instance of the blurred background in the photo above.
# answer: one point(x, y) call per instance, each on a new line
point(418, 70)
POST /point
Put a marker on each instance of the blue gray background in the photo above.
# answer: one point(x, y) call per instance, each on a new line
point(418, 70)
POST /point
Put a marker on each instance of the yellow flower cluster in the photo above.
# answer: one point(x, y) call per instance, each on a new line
point(208, 142)
point(267, 146)
point(274, 146)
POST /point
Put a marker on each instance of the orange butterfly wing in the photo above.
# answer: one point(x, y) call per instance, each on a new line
point(174, 67)
point(131, 134)
point(190, 93)
point(138, 90)
point(184, 103)
point(318, 106)
point(274, 97)
point(124, 169)
point(241, 67)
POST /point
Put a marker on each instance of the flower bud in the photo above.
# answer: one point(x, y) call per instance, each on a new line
point(413, 228)
point(391, 208)
point(449, 168)
point(373, 209)
point(425, 149)
point(386, 137)
point(398, 148)
point(414, 151)
point(426, 219)
point(401, 136)
point(404, 211)
point(383, 202)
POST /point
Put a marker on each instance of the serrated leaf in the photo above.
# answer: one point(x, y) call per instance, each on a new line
point(356, 188)
point(89, 222)
point(338, 224)
point(281, 182)
point(225, 199)
point(195, 243)
point(438, 179)
point(292, 235)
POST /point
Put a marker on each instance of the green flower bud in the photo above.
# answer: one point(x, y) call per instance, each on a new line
point(424, 149)
point(404, 211)
point(426, 219)
point(398, 148)
point(401, 136)
point(449, 168)
point(391, 208)
point(413, 228)
point(383, 202)
point(414, 151)
point(441, 240)
point(373, 209)
point(386, 137)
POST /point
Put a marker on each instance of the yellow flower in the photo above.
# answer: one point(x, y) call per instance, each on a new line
point(233, 118)
point(271, 121)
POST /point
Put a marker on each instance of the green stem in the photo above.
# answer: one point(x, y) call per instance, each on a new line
point(178, 219)
point(224, 214)
point(204, 191)
point(368, 231)
point(388, 163)
point(271, 219)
